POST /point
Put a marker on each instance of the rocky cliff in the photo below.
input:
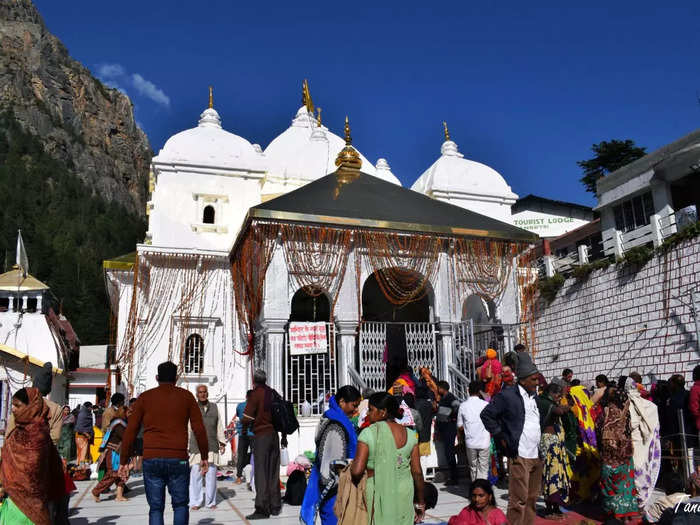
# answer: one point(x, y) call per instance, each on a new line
point(78, 120)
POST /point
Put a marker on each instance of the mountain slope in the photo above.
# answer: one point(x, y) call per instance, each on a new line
point(88, 127)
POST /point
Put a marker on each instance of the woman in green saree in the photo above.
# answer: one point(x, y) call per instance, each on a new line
point(388, 452)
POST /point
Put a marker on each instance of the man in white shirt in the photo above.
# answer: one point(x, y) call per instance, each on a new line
point(513, 420)
point(476, 437)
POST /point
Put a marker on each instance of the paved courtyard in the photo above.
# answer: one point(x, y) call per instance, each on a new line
point(234, 502)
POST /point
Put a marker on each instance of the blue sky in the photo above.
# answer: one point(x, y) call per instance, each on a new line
point(526, 89)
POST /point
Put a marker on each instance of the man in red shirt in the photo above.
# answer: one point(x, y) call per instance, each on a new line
point(165, 412)
point(266, 449)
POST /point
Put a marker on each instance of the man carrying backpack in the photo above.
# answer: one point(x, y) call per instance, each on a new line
point(266, 448)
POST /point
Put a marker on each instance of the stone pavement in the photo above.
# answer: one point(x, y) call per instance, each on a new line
point(234, 502)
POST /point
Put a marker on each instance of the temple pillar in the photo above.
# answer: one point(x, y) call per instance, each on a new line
point(347, 336)
point(274, 353)
point(445, 348)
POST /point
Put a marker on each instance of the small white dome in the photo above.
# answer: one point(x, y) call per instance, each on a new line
point(384, 172)
point(306, 151)
point(210, 145)
point(454, 174)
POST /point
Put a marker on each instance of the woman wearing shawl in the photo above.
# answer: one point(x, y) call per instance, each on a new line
point(389, 453)
point(31, 471)
point(556, 474)
point(644, 425)
point(84, 432)
point(490, 373)
point(617, 473)
point(66, 443)
point(335, 440)
point(586, 466)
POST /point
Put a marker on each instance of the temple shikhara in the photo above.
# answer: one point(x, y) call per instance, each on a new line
point(307, 260)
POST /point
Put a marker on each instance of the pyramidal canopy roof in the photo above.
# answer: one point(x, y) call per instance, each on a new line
point(370, 202)
point(13, 281)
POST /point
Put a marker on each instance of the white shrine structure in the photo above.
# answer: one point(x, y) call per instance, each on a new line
point(319, 240)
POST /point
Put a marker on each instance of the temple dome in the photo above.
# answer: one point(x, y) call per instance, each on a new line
point(306, 151)
point(451, 172)
point(209, 144)
point(384, 172)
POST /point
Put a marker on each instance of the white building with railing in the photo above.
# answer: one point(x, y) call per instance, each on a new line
point(640, 204)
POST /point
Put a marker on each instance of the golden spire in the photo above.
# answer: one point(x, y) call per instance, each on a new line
point(348, 158)
point(348, 138)
point(447, 132)
point(306, 99)
point(318, 119)
point(211, 97)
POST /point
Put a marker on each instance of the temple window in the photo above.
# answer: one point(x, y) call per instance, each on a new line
point(208, 215)
point(194, 354)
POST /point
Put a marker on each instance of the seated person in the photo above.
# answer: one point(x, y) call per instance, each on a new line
point(482, 508)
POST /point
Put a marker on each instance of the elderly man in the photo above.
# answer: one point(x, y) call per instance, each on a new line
point(513, 420)
point(217, 444)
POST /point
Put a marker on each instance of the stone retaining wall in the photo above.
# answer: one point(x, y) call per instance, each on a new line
point(622, 319)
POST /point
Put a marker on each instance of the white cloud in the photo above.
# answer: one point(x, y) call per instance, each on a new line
point(115, 85)
point(150, 90)
point(106, 71)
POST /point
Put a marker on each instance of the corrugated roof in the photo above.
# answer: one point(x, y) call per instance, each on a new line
point(13, 281)
point(370, 202)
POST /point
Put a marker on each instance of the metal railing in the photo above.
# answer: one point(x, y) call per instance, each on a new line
point(311, 377)
point(421, 350)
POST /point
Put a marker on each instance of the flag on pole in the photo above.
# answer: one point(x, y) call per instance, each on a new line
point(22, 260)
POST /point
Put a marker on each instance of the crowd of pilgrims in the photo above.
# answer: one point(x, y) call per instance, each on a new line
point(570, 444)
point(575, 446)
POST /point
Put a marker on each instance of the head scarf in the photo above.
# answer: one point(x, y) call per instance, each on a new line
point(31, 471)
point(491, 354)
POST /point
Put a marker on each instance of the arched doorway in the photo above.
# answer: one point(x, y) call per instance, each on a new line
point(310, 367)
point(310, 308)
point(394, 337)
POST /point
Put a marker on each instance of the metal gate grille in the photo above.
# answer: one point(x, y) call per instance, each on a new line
point(420, 349)
point(311, 377)
point(472, 340)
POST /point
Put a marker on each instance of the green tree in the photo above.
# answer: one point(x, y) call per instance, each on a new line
point(609, 156)
point(68, 230)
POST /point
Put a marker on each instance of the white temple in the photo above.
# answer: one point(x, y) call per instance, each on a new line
point(211, 188)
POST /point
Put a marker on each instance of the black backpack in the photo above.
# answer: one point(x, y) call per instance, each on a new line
point(283, 417)
point(296, 486)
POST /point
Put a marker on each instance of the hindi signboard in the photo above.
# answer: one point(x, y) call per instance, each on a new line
point(307, 338)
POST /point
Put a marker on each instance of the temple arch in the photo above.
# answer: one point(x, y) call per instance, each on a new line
point(308, 307)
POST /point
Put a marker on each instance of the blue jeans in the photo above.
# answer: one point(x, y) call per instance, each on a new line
point(175, 474)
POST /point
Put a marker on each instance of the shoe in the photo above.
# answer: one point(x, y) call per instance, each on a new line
point(239, 481)
point(257, 516)
point(196, 507)
point(212, 507)
point(276, 512)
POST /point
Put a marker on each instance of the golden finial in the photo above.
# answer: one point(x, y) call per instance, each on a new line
point(211, 97)
point(348, 138)
point(318, 119)
point(447, 132)
point(348, 158)
point(306, 99)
